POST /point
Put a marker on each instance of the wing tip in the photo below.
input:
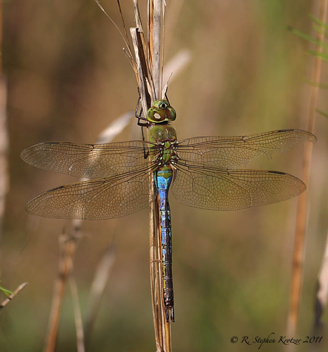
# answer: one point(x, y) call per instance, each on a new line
point(309, 135)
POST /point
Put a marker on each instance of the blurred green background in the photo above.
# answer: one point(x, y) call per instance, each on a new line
point(68, 78)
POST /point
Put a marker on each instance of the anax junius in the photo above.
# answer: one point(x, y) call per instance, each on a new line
point(204, 172)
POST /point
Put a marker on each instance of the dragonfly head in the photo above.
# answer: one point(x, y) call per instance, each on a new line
point(161, 111)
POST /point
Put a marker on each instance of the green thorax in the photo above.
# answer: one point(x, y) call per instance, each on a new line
point(162, 134)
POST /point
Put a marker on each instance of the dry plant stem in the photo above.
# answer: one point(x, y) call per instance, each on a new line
point(14, 294)
point(1, 37)
point(124, 36)
point(141, 68)
point(149, 81)
point(302, 207)
point(155, 277)
point(144, 74)
point(155, 272)
point(67, 250)
point(148, 68)
point(78, 316)
point(155, 17)
point(150, 9)
point(4, 177)
point(156, 49)
point(97, 289)
point(161, 61)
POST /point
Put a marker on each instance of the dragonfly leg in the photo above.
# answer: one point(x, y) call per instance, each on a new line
point(140, 117)
point(167, 97)
point(137, 107)
point(138, 114)
point(143, 124)
point(146, 153)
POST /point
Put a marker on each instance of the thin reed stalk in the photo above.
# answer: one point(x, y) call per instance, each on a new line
point(302, 206)
point(4, 174)
point(98, 286)
point(67, 247)
point(14, 294)
point(1, 37)
point(80, 346)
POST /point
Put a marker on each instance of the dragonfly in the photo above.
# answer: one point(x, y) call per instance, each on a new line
point(204, 172)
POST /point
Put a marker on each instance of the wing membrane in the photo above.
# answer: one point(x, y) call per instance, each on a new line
point(87, 160)
point(234, 152)
point(97, 199)
point(233, 189)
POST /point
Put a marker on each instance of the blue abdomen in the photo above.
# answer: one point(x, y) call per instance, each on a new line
point(163, 179)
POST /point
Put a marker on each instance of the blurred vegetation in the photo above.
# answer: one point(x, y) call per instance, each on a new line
point(319, 27)
point(68, 78)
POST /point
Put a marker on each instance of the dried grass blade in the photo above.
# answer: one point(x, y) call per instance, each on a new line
point(147, 68)
point(156, 46)
point(125, 31)
point(98, 286)
point(116, 127)
point(302, 206)
point(175, 66)
point(162, 52)
point(150, 10)
point(141, 68)
point(125, 39)
point(137, 16)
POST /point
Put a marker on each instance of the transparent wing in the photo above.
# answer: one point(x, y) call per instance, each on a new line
point(97, 199)
point(233, 189)
point(87, 160)
point(234, 152)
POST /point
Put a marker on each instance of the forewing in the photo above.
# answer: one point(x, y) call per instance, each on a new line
point(87, 160)
point(234, 152)
point(97, 199)
point(234, 189)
